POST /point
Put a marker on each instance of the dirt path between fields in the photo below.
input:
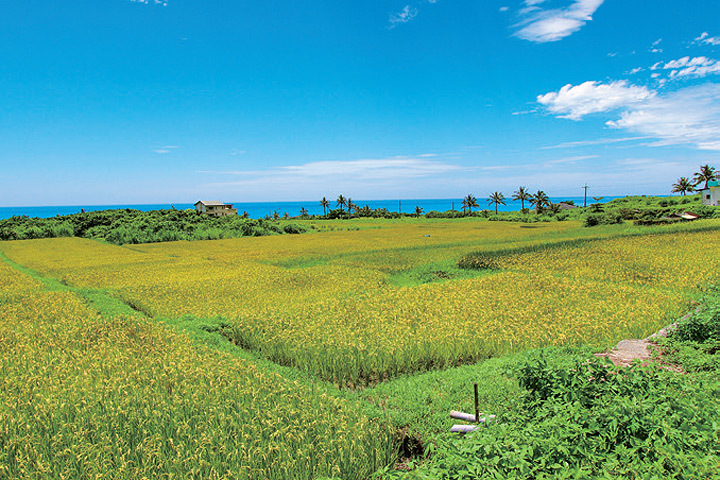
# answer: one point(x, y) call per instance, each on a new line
point(627, 351)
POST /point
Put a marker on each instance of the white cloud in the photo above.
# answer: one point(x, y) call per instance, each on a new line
point(525, 112)
point(504, 9)
point(707, 39)
point(574, 102)
point(635, 70)
point(366, 169)
point(708, 68)
point(406, 177)
point(153, 2)
point(404, 16)
point(568, 160)
point(602, 141)
point(690, 116)
point(688, 67)
point(165, 149)
point(554, 24)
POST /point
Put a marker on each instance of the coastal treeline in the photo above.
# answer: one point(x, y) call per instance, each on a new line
point(123, 226)
point(641, 209)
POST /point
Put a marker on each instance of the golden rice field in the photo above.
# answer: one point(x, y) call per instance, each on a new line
point(84, 396)
point(329, 302)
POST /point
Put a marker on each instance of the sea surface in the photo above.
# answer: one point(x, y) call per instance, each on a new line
point(261, 209)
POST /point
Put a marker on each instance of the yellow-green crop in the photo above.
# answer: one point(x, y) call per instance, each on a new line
point(83, 396)
point(326, 302)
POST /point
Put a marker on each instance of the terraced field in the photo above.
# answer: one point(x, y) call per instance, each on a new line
point(334, 304)
point(100, 378)
point(87, 396)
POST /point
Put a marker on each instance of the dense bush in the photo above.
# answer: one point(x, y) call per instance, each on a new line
point(125, 226)
point(701, 328)
point(607, 218)
point(591, 421)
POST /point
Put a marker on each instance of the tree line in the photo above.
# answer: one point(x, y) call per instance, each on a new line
point(705, 174)
point(345, 206)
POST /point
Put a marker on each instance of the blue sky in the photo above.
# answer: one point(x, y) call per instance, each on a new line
point(121, 101)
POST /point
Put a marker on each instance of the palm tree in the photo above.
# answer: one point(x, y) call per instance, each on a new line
point(350, 205)
point(540, 200)
point(418, 211)
point(683, 186)
point(498, 199)
point(469, 202)
point(303, 212)
point(341, 202)
point(522, 194)
point(325, 204)
point(706, 174)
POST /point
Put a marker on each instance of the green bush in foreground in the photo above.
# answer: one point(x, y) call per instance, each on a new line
point(591, 421)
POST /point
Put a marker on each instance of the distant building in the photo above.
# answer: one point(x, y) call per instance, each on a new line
point(711, 195)
point(215, 208)
point(566, 206)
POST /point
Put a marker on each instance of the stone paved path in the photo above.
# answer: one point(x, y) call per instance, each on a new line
point(628, 351)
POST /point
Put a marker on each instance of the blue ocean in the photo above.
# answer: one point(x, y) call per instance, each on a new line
point(261, 209)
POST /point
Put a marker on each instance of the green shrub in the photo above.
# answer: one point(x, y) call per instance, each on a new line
point(607, 218)
point(592, 220)
point(294, 228)
point(702, 328)
point(590, 421)
point(123, 226)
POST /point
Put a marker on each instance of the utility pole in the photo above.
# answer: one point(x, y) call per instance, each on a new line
point(399, 206)
point(585, 187)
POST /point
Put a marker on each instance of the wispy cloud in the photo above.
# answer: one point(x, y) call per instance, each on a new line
point(549, 25)
point(165, 149)
point(403, 16)
point(152, 2)
point(706, 39)
point(574, 102)
point(525, 112)
point(690, 116)
point(363, 178)
point(654, 48)
point(366, 169)
point(687, 116)
point(408, 12)
point(568, 160)
point(689, 67)
point(585, 143)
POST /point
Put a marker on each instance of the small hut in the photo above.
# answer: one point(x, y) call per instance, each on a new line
point(215, 208)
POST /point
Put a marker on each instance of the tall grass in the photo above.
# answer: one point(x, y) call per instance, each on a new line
point(326, 303)
point(84, 396)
